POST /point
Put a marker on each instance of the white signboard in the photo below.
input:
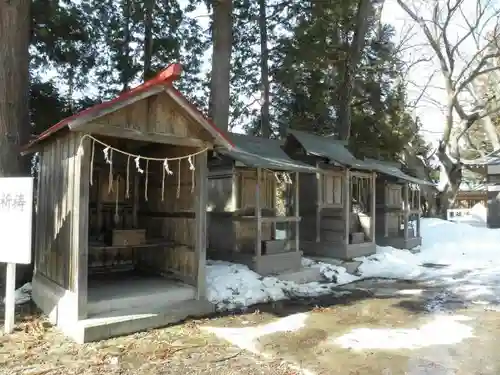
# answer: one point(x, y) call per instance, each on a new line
point(16, 206)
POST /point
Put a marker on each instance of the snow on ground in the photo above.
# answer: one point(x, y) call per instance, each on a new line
point(235, 286)
point(442, 330)
point(459, 257)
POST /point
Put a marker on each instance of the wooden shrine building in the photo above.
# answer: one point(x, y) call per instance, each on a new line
point(121, 219)
point(244, 219)
point(398, 206)
point(337, 201)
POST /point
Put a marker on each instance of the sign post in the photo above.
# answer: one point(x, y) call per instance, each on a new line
point(16, 209)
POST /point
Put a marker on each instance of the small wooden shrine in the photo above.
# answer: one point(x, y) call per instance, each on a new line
point(337, 201)
point(398, 206)
point(245, 224)
point(121, 221)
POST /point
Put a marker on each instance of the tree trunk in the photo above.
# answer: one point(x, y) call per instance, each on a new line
point(15, 23)
point(265, 123)
point(148, 38)
point(222, 40)
point(351, 60)
point(125, 75)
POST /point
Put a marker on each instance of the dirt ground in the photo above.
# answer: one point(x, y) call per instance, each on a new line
point(189, 347)
point(35, 348)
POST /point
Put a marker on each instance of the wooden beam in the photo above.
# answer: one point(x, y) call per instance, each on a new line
point(137, 135)
point(201, 168)
point(258, 214)
point(374, 206)
point(297, 223)
point(405, 210)
point(319, 202)
point(81, 223)
point(347, 205)
point(419, 215)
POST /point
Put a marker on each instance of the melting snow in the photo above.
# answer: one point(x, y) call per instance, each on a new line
point(442, 330)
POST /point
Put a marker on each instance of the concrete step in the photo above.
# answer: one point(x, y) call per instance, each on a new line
point(302, 276)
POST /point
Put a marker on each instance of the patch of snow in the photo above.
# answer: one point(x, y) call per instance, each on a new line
point(457, 256)
point(234, 286)
point(247, 338)
point(23, 294)
point(442, 330)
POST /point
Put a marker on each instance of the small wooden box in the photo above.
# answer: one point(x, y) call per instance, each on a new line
point(357, 238)
point(128, 237)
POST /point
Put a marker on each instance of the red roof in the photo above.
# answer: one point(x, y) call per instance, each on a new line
point(163, 79)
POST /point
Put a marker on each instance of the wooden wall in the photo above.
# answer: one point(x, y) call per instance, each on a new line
point(157, 114)
point(389, 197)
point(232, 193)
point(171, 217)
point(62, 189)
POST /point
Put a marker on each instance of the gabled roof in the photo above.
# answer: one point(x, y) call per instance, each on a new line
point(257, 152)
point(328, 148)
point(392, 169)
point(162, 82)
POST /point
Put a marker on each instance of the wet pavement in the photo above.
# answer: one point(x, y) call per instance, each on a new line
point(385, 327)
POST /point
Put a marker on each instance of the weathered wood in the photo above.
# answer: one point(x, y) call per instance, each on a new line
point(258, 213)
point(139, 135)
point(297, 203)
point(405, 210)
point(319, 202)
point(373, 209)
point(201, 223)
point(347, 205)
point(419, 216)
point(81, 227)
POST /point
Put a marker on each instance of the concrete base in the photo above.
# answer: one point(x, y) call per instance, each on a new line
point(265, 265)
point(303, 276)
point(118, 306)
point(108, 294)
point(399, 242)
point(135, 320)
point(338, 250)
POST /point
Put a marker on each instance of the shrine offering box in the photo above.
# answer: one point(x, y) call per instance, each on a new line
point(128, 237)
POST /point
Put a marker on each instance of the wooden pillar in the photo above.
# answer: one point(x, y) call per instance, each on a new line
point(201, 170)
point(385, 213)
point(374, 206)
point(135, 202)
point(419, 211)
point(296, 208)
point(80, 224)
point(258, 214)
point(347, 205)
point(319, 202)
point(405, 210)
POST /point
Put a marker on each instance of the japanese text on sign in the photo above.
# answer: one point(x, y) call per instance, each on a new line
point(14, 202)
point(16, 207)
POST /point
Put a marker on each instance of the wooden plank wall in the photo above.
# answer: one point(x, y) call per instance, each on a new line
point(172, 217)
point(155, 114)
point(54, 238)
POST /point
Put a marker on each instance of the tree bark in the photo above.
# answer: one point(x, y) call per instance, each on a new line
point(222, 40)
point(15, 23)
point(148, 38)
point(265, 123)
point(352, 56)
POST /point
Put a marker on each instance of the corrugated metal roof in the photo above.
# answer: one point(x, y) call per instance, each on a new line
point(328, 148)
point(260, 152)
point(391, 169)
